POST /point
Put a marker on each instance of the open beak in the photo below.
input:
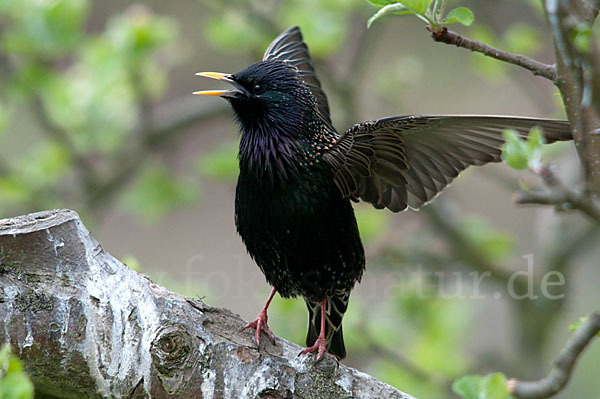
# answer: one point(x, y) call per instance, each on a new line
point(221, 93)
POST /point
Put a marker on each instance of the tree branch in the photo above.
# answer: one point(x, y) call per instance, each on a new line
point(560, 374)
point(575, 76)
point(558, 194)
point(537, 68)
point(87, 326)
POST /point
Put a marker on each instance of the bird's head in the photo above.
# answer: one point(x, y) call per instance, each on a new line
point(266, 95)
point(278, 97)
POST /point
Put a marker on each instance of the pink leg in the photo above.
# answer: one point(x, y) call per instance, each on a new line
point(319, 345)
point(261, 321)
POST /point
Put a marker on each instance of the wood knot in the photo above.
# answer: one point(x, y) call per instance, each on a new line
point(171, 348)
point(174, 356)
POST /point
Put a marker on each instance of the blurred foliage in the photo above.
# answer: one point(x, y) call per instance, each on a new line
point(521, 153)
point(221, 162)
point(14, 383)
point(325, 23)
point(412, 313)
point(493, 244)
point(517, 38)
point(491, 386)
point(86, 92)
point(157, 192)
point(371, 223)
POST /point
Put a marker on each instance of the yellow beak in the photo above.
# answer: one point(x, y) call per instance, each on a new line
point(212, 92)
point(215, 75)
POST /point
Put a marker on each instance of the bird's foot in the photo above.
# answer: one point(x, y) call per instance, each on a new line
point(261, 324)
point(321, 349)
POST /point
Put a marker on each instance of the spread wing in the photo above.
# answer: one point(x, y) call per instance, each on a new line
point(290, 48)
point(405, 161)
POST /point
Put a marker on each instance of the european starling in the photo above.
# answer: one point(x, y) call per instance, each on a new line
point(298, 176)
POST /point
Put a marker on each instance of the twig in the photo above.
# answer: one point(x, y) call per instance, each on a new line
point(558, 194)
point(537, 68)
point(560, 374)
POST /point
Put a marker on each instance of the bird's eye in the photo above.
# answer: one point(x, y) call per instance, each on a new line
point(257, 88)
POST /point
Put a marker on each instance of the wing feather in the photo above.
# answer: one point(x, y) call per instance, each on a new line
point(406, 161)
point(290, 48)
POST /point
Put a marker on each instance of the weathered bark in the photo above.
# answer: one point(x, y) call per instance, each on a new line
point(577, 77)
point(87, 326)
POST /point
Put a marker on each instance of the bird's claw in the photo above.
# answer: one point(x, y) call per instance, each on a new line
point(321, 349)
point(260, 324)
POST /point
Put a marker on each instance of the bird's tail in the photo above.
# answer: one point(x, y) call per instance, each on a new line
point(334, 313)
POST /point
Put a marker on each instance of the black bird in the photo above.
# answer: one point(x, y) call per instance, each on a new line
point(298, 177)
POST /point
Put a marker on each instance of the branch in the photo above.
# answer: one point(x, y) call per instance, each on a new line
point(576, 72)
point(558, 194)
point(537, 68)
point(560, 374)
point(87, 326)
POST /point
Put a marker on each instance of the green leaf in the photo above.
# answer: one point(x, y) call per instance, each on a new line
point(535, 139)
point(389, 9)
point(381, 3)
point(16, 386)
point(416, 6)
point(461, 15)
point(515, 152)
point(581, 37)
point(14, 383)
point(467, 387)
point(493, 386)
